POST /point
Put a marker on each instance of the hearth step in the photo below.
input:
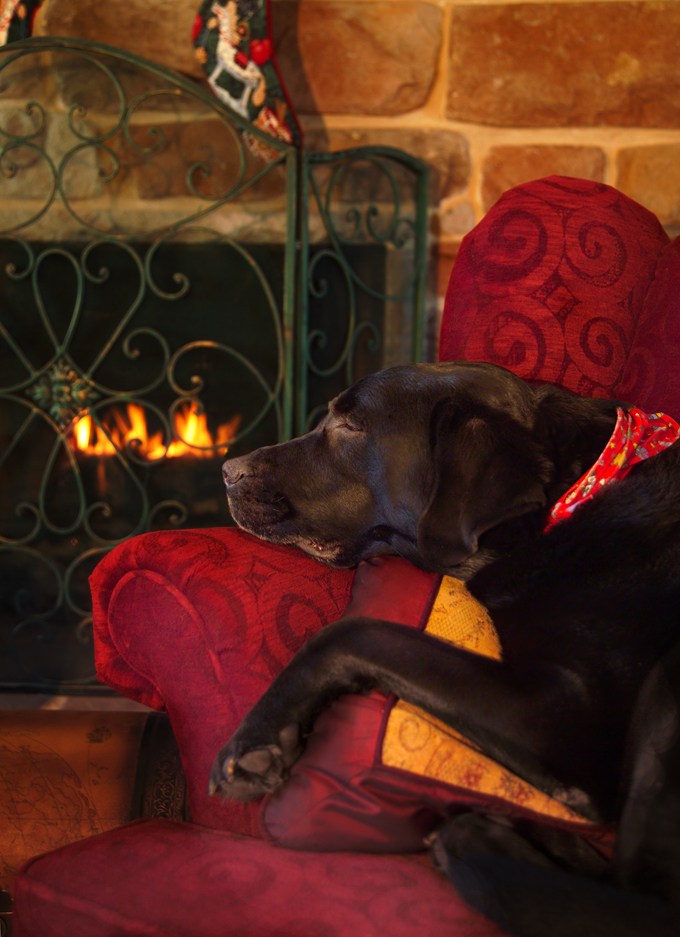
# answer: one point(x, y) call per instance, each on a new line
point(67, 775)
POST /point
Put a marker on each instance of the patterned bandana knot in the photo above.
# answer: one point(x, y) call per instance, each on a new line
point(637, 436)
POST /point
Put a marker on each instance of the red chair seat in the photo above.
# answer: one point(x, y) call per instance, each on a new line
point(156, 877)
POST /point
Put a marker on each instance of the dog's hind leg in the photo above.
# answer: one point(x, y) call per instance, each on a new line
point(531, 901)
point(648, 851)
point(512, 884)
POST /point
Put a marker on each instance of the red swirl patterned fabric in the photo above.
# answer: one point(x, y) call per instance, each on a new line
point(199, 622)
point(637, 436)
point(551, 284)
point(156, 878)
point(651, 377)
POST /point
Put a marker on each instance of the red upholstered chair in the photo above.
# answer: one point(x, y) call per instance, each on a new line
point(564, 281)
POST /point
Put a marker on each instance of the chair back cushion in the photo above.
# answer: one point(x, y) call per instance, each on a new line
point(651, 377)
point(551, 284)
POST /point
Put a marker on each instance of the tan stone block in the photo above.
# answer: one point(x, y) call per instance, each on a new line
point(651, 175)
point(22, 77)
point(159, 30)
point(557, 64)
point(360, 57)
point(446, 152)
point(457, 219)
point(508, 166)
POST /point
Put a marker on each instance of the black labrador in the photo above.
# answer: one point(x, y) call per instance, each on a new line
point(455, 467)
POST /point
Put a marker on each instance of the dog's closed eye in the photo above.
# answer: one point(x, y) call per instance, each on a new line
point(352, 427)
point(344, 421)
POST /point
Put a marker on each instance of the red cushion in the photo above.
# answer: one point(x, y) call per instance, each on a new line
point(651, 378)
point(340, 794)
point(550, 284)
point(199, 622)
point(189, 617)
point(207, 884)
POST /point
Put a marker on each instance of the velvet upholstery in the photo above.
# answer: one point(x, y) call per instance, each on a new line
point(156, 878)
point(339, 795)
point(551, 284)
point(361, 783)
point(651, 377)
point(198, 623)
point(557, 283)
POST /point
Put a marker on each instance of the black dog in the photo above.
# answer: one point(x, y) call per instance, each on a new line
point(456, 467)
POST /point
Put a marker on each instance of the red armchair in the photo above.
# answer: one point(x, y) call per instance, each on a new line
point(564, 281)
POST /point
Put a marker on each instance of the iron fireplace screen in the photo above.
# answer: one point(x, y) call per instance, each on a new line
point(166, 296)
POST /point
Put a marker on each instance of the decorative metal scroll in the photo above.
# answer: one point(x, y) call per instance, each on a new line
point(363, 269)
point(141, 294)
point(157, 284)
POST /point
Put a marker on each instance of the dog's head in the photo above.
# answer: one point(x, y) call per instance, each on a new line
point(417, 460)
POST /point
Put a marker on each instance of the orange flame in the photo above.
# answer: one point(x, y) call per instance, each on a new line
point(126, 425)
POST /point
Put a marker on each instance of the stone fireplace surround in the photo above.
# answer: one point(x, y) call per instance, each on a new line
point(488, 94)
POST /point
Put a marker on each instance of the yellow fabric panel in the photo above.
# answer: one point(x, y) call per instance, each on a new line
point(417, 742)
point(457, 617)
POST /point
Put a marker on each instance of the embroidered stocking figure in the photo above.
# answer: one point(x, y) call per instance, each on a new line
point(233, 43)
point(16, 19)
point(235, 76)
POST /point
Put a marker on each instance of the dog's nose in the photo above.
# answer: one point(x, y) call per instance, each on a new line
point(233, 471)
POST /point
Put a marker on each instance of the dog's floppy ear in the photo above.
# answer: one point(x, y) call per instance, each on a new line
point(486, 468)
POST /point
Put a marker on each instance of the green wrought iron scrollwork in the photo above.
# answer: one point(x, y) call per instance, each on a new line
point(69, 108)
point(397, 225)
point(150, 264)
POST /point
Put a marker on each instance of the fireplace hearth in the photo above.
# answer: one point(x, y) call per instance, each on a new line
point(166, 297)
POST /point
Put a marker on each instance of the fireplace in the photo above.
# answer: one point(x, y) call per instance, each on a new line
point(168, 292)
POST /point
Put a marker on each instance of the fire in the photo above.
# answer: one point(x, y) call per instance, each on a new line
point(127, 424)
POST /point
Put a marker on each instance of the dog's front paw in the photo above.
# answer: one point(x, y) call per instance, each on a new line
point(245, 770)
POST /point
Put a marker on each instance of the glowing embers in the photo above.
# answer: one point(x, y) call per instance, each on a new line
point(125, 429)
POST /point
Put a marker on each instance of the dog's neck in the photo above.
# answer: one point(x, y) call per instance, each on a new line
point(574, 432)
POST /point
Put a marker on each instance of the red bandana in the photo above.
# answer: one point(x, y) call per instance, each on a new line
point(637, 436)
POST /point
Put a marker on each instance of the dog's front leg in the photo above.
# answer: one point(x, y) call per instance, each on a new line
point(513, 716)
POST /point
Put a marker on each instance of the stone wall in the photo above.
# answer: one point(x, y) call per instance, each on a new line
point(490, 94)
